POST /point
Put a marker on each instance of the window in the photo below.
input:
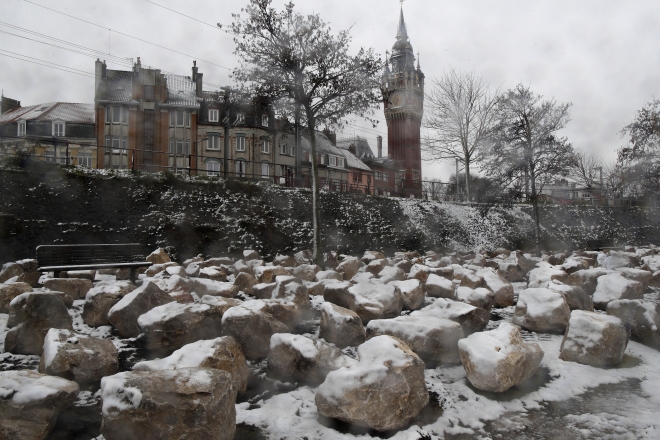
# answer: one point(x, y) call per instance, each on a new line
point(116, 143)
point(85, 159)
point(179, 147)
point(333, 161)
point(21, 128)
point(384, 177)
point(321, 159)
point(264, 120)
point(306, 156)
point(213, 167)
point(283, 149)
point(240, 142)
point(265, 170)
point(240, 119)
point(58, 128)
point(378, 175)
point(148, 93)
point(116, 115)
point(340, 162)
point(148, 129)
point(214, 115)
point(293, 150)
point(240, 168)
point(179, 118)
point(214, 142)
point(586, 195)
point(265, 146)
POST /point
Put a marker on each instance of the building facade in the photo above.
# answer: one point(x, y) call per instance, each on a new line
point(402, 87)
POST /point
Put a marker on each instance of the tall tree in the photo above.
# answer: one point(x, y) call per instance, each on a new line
point(587, 168)
point(296, 60)
point(461, 115)
point(526, 142)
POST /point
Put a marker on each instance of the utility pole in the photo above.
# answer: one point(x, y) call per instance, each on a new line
point(457, 180)
point(298, 146)
point(225, 162)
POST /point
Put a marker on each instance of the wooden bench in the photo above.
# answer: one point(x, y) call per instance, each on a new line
point(58, 258)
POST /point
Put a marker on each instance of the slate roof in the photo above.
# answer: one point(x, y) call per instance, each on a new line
point(181, 90)
point(362, 147)
point(117, 87)
point(52, 111)
point(323, 144)
point(354, 162)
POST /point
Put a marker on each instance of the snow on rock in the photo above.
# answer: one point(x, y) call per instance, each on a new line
point(303, 359)
point(545, 273)
point(370, 256)
point(472, 280)
point(641, 275)
point(479, 297)
point(587, 278)
point(614, 286)
point(391, 273)
point(83, 358)
point(171, 326)
point(413, 293)
point(376, 266)
point(9, 271)
point(244, 281)
point(375, 301)
point(159, 256)
point(222, 353)
point(76, 288)
point(214, 273)
point(389, 376)
point(612, 262)
point(349, 267)
point(501, 288)
point(252, 329)
point(439, 287)
point(183, 403)
point(573, 264)
point(306, 272)
point(542, 310)
point(30, 403)
point(337, 293)
point(575, 296)
point(156, 269)
point(291, 288)
point(498, 359)
point(267, 274)
point(284, 311)
point(284, 261)
point(341, 326)
point(250, 254)
point(594, 339)
point(101, 298)
point(641, 317)
point(432, 339)
point(124, 315)
point(419, 272)
point(472, 319)
point(205, 286)
point(31, 315)
point(9, 291)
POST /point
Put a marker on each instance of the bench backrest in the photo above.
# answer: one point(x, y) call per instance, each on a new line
point(78, 254)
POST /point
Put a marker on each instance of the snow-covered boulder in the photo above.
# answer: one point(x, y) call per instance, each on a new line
point(419, 272)
point(290, 288)
point(241, 266)
point(614, 261)
point(159, 256)
point(575, 296)
point(362, 277)
point(263, 290)
point(439, 287)
point(79, 357)
point(375, 301)
point(267, 274)
point(156, 269)
point(432, 339)
point(542, 310)
point(545, 273)
point(614, 286)
point(573, 264)
point(641, 275)
point(124, 315)
point(198, 259)
point(213, 273)
point(306, 272)
point(594, 339)
point(205, 286)
point(389, 376)
point(30, 403)
point(171, 326)
point(413, 293)
point(100, 299)
point(218, 301)
point(250, 254)
point(498, 359)
point(511, 271)
point(479, 297)
point(349, 267)
point(252, 329)
point(180, 271)
point(287, 312)
point(329, 275)
point(472, 280)
point(244, 281)
point(587, 278)
point(391, 273)
point(185, 403)
point(303, 359)
point(341, 326)
point(220, 353)
point(178, 287)
point(31, 315)
point(370, 256)
point(193, 269)
point(404, 265)
point(501, 288)
point(9, 271)
point(376, 266)
point(337, 293)
point(9, 291)
point(641, 317)
point(76, 288)
point(472, 319)
point(284, 261)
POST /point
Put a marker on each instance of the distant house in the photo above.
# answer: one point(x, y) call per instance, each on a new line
point(565, 191)
point(58, 132)
point(382, 169)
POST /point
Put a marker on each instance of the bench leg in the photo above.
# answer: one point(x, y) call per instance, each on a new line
point(56, 274)
point(133, 275)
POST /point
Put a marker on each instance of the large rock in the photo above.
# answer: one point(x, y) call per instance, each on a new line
point(250, 254)
point(587, 278)
point(31, 315)
point(9, 291)
point(267, 274)
point(252, 329)
point(542, 310)
point(349, 267)
point(287, 312)
point(30, 403)
point(575, 296)
point(214, 273)
point(171, 326)
point(159, 256)
point(337, 293)
point(615, 261)
point(472, 280)
point(419, 272)
point(376, 266)
point(76, 288)
point(306, 272)
point(501, 288)
point(614, 286)
point(124, 315)
point(101, 298)
point(544, 274)
point(326, 275)
point(245, 282)
point(341, 326)
point(433, 339)
point(641, 317)
point(594, 339)
point(370, 256)
point(191, 403)
point(220, 353)
point(439, 287)
point(303, 257)
point(479, 297)
point(292, 289)
point(472, 319)
point(156, 269)
point(498, 359)
point(203, 286)
point(375, 301)
point(413, 293)
point(391, 273)
point(10, 270)
point(178, 287)
point(641, 275)
point(284, 261)
point(303, 359)
point(384, 391)
point(81, 358)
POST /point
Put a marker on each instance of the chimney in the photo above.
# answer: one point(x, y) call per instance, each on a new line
point(194, 71)
point(352, 149)
point(100, 73)
point(198, 84)
point(331, 135)
point(8, 104)
point(379, 141)
point(137, 66)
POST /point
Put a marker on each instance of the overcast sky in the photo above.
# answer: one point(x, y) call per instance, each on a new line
point(600, 55)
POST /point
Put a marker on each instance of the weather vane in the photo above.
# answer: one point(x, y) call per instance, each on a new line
point(402, 2)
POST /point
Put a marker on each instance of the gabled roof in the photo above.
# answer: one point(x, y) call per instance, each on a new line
point(181, 90)
point(354, 162)
point(323, 144)
point(362, 148)
point(52, 111)
point(118, 86)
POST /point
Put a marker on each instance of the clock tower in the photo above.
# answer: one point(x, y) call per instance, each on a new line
point(402, 86)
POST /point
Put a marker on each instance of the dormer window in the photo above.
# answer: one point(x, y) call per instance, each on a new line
point(264, 120)
point(21, 128)
point(214, 115)
point(58, 128)
point(240, 119)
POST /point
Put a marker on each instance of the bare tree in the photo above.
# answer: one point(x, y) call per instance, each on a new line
point(587, 168)
point(297, 61)
point(526, 141)
point(461, 116)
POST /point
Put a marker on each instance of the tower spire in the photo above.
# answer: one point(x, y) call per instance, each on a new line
point(402, 32)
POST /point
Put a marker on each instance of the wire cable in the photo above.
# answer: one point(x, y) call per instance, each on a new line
point(87, 74)
point(216, 27)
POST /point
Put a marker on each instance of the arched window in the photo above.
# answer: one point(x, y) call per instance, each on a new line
point(213, 167)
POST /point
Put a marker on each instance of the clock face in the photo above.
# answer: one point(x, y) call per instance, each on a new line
point(396, 100)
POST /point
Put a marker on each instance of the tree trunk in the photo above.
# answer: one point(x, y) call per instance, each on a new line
point(467, 179)
point(535, 204)
point(316, 238)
